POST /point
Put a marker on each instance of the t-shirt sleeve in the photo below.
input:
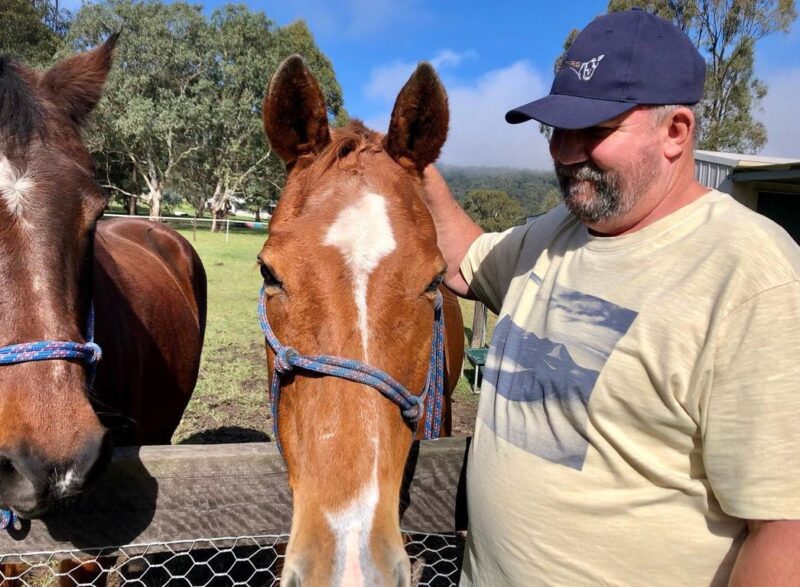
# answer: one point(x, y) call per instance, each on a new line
point(751, 440)
point(490, 263)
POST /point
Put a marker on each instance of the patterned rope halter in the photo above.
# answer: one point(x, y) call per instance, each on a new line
point(412, 407)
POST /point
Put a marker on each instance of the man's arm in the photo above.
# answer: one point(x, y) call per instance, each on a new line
point(770, 556)
point(455, 231)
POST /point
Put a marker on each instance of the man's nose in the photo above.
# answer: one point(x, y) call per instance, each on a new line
point(567, 147)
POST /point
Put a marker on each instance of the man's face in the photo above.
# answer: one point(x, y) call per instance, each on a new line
point(606, 169)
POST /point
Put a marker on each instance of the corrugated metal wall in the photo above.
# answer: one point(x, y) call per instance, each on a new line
point(711, 174)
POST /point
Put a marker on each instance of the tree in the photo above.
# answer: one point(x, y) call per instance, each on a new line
point(234, 158)
point(493, 210)
point(151, 117)
point(726, 32)
point(23, 33)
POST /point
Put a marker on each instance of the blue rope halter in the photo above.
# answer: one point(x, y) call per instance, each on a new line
point(49, 350)
point(411, 406)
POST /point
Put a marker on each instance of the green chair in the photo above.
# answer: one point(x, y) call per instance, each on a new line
point(476, 358)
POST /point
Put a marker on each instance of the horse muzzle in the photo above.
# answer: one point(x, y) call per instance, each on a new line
point(30, 484)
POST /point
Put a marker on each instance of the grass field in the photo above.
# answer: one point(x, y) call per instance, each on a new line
point(230, 401)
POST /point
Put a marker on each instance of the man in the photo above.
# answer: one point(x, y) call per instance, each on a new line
point(639, 419)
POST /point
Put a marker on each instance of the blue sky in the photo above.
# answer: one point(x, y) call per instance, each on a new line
point(491, 56)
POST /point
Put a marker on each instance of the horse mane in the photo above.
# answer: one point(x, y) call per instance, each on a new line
point(20, 112)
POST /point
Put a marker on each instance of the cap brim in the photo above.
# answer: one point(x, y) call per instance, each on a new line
point(570, 112)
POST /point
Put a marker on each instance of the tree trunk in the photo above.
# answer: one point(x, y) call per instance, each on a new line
point(155, 203)
point(132, 205)
point(218, 218)
point(219, 206)
point(258, 214)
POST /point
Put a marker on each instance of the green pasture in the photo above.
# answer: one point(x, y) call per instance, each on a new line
point(230, 401)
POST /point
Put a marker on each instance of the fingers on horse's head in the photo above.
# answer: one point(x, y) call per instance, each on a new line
point(76, 83)
point(420, 119)
point(294, 112)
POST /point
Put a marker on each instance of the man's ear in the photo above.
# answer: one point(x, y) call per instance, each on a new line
point(680, 132)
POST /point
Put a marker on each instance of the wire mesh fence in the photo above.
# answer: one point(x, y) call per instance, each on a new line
point(249, 561)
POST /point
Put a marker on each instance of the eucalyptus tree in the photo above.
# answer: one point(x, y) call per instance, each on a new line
point(24, 33)
point(247, 50)
point(150, 119)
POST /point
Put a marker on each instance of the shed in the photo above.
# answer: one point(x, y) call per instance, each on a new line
point(768, 185)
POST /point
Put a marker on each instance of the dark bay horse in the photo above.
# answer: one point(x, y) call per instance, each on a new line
point(351, 269)
point(145, 283)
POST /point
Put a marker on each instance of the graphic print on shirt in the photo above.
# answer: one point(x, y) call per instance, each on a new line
point(549, 369)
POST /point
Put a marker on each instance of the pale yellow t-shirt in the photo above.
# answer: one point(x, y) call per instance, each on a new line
point(641, 398)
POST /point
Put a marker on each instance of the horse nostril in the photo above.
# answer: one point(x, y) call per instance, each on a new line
point(6, 466)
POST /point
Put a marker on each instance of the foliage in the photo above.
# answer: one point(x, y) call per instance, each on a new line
point(183, 102)
point(24, 33)
point(493, 210)
point(246, 50)
point(532, 189)
point(150, 119)
point(726, 32)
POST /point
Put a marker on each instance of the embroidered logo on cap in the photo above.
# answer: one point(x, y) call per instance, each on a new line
point(584, 69)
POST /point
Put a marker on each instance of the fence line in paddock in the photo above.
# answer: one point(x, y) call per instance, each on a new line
point(192, 222)
point(153, 518)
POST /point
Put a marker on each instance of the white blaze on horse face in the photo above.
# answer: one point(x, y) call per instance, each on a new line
point(14, 187)
point(363, 234)
point(352, 527)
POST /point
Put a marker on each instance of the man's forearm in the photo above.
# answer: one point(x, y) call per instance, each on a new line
point(769, 556)
point(455, 231)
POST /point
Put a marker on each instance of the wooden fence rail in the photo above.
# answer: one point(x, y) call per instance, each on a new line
point(168, 493)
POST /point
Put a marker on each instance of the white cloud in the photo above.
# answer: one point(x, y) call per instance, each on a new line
point(780, 114)
point(385, 81)
point(448, 58)
point(479, 134)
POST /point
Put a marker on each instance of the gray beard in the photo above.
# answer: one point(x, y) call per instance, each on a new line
point(609, 199)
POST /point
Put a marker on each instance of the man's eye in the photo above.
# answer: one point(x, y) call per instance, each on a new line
point(600, 131)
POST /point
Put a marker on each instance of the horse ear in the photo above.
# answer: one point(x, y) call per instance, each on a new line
point(294, 112)
point(77, 82)
point(420, 119)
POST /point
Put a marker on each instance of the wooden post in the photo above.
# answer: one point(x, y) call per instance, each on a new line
point(479, 318)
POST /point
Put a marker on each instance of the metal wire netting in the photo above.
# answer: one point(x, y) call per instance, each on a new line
point(249, 560)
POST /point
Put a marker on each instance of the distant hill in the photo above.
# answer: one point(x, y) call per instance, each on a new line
point(530, 188)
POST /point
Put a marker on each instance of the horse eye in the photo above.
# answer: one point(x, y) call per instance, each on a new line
point(434, 285)
point(269, 277)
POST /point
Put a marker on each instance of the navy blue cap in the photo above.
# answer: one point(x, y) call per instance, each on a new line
point(619, 61)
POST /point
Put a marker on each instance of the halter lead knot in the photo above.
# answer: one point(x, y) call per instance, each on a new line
point(283, 360)
point(97, 352)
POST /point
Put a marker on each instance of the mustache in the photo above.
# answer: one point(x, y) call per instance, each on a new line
point(585, 171)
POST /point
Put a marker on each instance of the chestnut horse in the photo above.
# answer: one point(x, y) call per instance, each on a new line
point(145, 284)
point(351, 269)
